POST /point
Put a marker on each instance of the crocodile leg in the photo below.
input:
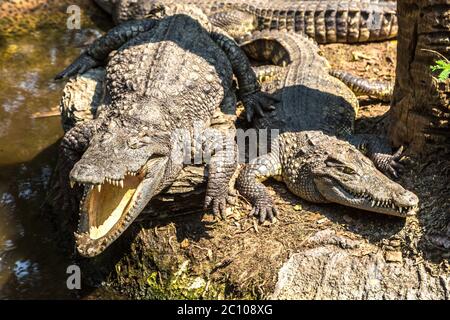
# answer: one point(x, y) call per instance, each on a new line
point(379, 151)
point(221, 167)
point(382, 90)
point(228, 105)
point(249, 91)
point(98, 51)
point(72, 146)
point(249, 184)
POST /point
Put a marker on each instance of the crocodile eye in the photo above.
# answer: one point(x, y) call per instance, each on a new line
point(348, 170)
point(333, 162)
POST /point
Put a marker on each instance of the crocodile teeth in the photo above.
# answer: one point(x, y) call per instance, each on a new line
point(72, 183)
point(91, 187)
point(121, 183)
point(373, 203)
point(99, 187)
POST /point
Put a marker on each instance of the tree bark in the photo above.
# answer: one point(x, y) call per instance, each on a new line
point(420, 106)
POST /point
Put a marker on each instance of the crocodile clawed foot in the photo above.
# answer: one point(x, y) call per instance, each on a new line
point(83, 63)
point(263, 212)
point(390, 164)
point(258, 103)
point(219, 205)
point(396, 167)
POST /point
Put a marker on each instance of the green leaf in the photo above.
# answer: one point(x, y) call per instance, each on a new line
point(443, 67)
point(435, 68)
point(444, 74)
point(442, 64)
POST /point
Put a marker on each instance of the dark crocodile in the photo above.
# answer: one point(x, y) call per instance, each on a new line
point(164, 81)
point(317, 154)
point(326, 21)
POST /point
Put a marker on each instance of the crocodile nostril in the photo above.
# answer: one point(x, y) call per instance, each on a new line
point(86, 173)
point(409, 197)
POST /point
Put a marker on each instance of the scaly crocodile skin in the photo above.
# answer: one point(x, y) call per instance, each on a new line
point(326, 21)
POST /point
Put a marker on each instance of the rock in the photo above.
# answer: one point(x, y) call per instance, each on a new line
point(330, 272)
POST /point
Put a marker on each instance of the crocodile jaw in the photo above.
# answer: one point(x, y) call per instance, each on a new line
point(108, 209)
point(400, 203)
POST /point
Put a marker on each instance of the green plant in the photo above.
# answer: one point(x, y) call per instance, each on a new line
point(443, 67)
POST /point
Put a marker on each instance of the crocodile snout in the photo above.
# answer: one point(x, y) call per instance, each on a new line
point(86, 173)
point(406, 198)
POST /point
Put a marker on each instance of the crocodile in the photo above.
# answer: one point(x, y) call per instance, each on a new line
point(326, 21)
point(164, 78)
point(317, 154)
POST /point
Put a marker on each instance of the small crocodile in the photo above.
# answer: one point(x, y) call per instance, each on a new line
point(349, 21)
point(316, 153)
point(163, 76)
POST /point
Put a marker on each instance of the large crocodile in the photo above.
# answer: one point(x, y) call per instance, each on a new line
point(326, 21)
point(129, 153)
point(316, 154)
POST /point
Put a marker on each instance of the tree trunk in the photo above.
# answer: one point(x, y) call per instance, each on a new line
point(420, 107)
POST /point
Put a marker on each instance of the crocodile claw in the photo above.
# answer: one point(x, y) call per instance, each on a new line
point(219, 204)
point(264, 212)
point(258, 103)
point(83, 63)
point(390, 164)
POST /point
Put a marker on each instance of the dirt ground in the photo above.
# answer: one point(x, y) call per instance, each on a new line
point(239, 258)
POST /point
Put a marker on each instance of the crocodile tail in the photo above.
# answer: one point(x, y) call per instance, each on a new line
point(332, 21)
point(382, 90)
point(267, 47)
point(282, 48)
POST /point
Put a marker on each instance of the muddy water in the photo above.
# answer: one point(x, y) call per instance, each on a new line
point(31, 266)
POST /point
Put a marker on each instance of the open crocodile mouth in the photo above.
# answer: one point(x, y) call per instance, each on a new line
point(364, 200)
point(106, 204)
point(106, 210)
